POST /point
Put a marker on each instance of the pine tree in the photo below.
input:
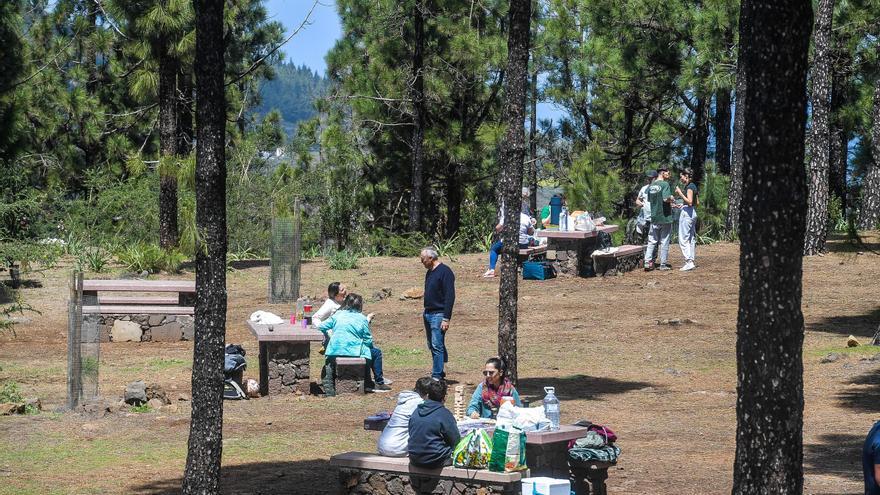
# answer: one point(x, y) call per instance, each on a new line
point(205, 445)
point(513, 153)
point(774, 43)
point(869, 214)
point(820, 138)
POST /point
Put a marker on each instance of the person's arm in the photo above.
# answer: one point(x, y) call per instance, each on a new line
point(476, 402)
point(324, 312)
point(687, 197)
point(450, 429)
point(877, 474)
point(327, 325)
point(449, 296)
point(365, 334)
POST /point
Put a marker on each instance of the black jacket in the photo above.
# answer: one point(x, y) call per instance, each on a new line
point(433, 435)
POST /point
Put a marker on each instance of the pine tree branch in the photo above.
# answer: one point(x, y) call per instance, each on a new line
point(107, 18)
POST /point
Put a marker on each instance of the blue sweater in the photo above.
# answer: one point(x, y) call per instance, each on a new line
point(440, 291)
point(433, 434)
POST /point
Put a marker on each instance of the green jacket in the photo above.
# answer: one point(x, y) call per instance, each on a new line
point(351, 335)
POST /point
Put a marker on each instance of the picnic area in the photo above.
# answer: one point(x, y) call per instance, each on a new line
point(622, 351)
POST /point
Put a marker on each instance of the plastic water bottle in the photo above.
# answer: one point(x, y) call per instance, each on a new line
point(563, 219)
point(551, 407)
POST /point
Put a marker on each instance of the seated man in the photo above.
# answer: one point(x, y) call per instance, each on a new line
point(526, 229)
point(433, 432)
point(351, 337)
point(394, 438)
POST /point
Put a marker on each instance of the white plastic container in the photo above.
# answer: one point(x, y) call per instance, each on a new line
point(545, 486)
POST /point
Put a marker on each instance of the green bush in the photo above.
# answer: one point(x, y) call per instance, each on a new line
point(10, 392)
point(343, 260)
point(406, 245)
point(150, 258)
point(92, 259)
point(712, 210)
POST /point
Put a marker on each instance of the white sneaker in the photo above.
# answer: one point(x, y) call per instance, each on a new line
point(687, 267)
point(387, 381)
point(489, 274)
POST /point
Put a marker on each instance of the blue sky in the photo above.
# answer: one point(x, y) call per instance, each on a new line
point(317, 37)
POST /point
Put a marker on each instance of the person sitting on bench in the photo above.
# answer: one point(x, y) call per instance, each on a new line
point(487, 397)
point(336, 293)
point(433, 432)
point(526, 229)
point(395, 437)
point(351, 337)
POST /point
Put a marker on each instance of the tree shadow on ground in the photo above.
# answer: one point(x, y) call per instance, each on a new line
point(577, 387)
point(862, 399)
point(842, 243)
point(859, 325)
point(314, 476)
point(836, 454)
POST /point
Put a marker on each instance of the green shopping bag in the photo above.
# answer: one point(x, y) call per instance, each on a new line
point(473, 450)
point(508, 450)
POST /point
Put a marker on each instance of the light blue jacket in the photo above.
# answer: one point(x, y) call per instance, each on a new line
point(477, 404)
point(351, 335)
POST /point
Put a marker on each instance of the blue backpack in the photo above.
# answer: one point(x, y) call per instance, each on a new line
point(538, 270)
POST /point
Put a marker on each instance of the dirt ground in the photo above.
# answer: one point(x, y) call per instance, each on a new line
point(668, 391)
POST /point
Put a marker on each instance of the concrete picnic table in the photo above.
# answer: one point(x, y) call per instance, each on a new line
point(573, 249)
point(284, 356)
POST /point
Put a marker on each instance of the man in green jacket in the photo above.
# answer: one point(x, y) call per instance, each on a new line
point(660, 197)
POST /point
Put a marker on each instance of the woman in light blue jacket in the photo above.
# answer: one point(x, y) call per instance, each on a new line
point(351, 337)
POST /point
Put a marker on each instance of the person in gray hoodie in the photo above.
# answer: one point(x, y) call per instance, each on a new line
point(394, 438)
point(433, 432)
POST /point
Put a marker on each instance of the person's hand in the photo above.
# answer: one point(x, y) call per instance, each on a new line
point(475, 415)
point(534, 221)
point(498, 227)
point(444, 326)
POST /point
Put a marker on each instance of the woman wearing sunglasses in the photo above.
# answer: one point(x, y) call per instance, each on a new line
point(488, 396)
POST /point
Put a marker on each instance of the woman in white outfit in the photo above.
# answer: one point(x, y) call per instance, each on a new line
point(687, 222)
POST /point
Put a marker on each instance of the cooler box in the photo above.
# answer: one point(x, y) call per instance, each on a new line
point(545, 486)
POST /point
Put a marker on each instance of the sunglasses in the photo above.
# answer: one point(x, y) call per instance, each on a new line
point(489, 373)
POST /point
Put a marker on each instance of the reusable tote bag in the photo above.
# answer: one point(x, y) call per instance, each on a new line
point(508, 450)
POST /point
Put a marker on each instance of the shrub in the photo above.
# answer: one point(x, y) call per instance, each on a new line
point(92, 259)
point(150, 258)
point(10, 392)
point(343, 260)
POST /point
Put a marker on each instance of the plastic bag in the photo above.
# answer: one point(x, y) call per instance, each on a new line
point(524, 418)
point(508, 450)
point(473, 451)
point(584, 223)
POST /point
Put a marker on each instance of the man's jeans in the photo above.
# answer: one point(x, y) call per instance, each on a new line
point(436, 343)
point(663, 233)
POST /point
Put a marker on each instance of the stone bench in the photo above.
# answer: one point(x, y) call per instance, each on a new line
point(350, 375)
point(145, 317)
point(624, 259)
point(371, 473)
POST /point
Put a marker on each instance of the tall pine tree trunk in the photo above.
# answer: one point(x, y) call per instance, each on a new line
point(533, 144)
point(700, 139)
point(453, 200)
point(206, 426)
point(417, 94)
point(734, 192)
point(774, 41)
point(869, 214)
point(820, 137)
point(722, 130)
point(513, 151)
point(168, 138)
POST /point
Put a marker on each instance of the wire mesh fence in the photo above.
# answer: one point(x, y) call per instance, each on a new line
point(83, 344)
point(285, 255)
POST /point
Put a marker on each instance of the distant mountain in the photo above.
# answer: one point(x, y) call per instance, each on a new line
point(292, 92)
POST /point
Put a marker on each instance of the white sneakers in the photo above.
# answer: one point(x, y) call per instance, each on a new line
point(687, 267)
point(489, 273)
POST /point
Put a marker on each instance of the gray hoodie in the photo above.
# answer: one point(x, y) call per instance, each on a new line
point(394, 438)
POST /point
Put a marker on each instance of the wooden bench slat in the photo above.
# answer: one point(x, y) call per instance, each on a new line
point(375, 462)
point(625, 250)
point(111, 309)
point(185, 286)
point(131, 301)
point(350, 361)
point(533, 250)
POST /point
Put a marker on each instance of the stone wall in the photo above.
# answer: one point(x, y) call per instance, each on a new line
point(357, 482)
point(288, 367)
point(145, 328)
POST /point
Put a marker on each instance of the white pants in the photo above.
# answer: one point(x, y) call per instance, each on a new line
point(687, 233)
point(661, 232)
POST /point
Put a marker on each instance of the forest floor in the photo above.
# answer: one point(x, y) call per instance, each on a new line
point(668, 391)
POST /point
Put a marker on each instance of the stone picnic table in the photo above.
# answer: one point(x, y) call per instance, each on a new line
point(284, 356)
point(573, 249)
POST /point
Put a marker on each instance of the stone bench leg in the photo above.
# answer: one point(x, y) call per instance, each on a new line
point(351, 378)
point(587, 479)
point(550, 460)
point(284, 367)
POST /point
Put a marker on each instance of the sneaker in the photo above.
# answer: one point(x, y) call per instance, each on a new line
point(649, 266)
point(687, 267)
point(664, 267)
point(387, 381)
point(489, 274)
point(379, 388)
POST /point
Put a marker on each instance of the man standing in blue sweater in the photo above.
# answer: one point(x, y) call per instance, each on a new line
point(439, 298)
